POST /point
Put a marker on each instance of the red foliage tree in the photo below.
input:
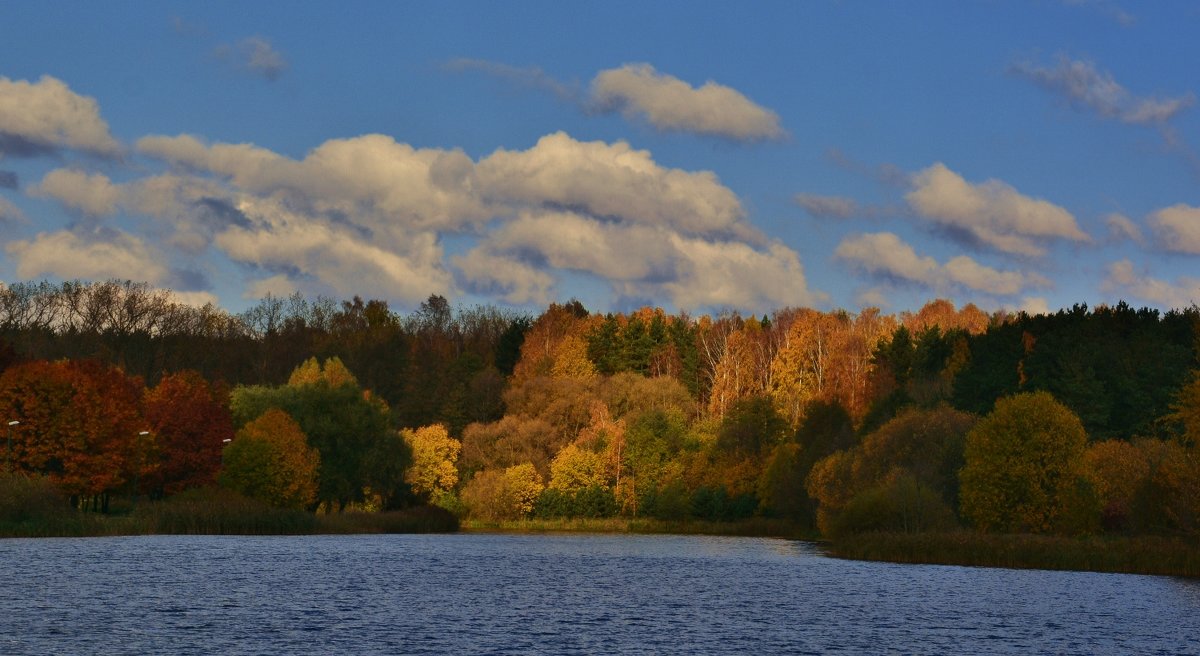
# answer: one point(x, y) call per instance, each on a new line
point(190, 421)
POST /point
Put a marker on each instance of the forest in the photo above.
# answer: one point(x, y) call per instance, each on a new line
point(1081, 422)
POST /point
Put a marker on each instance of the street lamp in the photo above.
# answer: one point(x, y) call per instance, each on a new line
point(8, 454)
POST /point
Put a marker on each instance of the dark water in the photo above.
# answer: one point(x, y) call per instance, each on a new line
point(575, 594)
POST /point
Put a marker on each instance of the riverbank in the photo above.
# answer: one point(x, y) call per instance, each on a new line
point(215, 512)
point(1125, 555)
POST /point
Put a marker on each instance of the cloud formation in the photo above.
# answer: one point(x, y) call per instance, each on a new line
point(640, 93)
point(256, 55)
point(369, 208)
point(1086, 88)
point(668, 103)
point(1177, 228)
point(886, 255)
point(9, 212)
point(88, 256)
point(1124, 279)
point(989, 214)
point(92, 194)
point(45, 116)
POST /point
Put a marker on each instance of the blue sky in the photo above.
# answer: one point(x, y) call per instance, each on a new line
point(697, 156)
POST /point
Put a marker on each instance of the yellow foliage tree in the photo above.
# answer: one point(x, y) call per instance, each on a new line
point(507, 494)
point(1024, 464)
point(333, 372)
point(576, 469)
point(435, 453)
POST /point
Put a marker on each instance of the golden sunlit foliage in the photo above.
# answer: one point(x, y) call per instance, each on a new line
point(435, 454)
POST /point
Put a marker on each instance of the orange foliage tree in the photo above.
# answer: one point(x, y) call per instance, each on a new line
point(79, 425)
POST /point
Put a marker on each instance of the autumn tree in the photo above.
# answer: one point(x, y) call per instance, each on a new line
point(503, 494)
point(348, 427)
point(190, 421)
point(1023, 466)
point(271, 461)
point(434, 454)
point(79, 425)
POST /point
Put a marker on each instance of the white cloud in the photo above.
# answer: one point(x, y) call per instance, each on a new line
point(885, 254)
point(99, 256)
point(195, 299)
point(371, 210)
point(278, 285)
point(1035, 305)
point(1123, 279)
point(511, 279)
point(611, 180)
point(1085, 87)
point(47, 115)
point(873, 297)
point(835, 207)
point(990, 213)
point(284, 241)
point(1177, 228)
point(91, 193)
point(668, 103)
point(638, 261)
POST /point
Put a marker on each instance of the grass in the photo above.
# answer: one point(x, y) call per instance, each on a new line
point(1170, 556)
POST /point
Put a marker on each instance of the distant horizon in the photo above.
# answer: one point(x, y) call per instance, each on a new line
point(1025, 156)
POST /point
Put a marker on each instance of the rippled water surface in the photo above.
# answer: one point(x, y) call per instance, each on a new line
point(569, 594)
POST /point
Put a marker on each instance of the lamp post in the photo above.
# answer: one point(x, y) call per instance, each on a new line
point(8, 454)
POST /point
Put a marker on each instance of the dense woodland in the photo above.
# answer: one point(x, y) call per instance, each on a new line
point(1083, 421)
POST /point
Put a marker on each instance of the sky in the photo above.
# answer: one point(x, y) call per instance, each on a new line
point(696, 156)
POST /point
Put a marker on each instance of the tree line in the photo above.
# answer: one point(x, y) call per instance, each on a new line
point(1078, 421)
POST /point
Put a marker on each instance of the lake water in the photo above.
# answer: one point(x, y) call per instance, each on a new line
point(557, 594)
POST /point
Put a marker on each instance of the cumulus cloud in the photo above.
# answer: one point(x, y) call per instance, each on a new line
point(1124, 279)
point(95, 256)
point(256, 55)
point(90, 193)
point(668, 103)
point(886, 255)
point(638, 261)
point(1086, 88)
point(1177, 228)
point(1121, 227)
point(990, 214)
point(611, 180)
point(370, 208)
point(639, 92)
point(282, 241)
point(827, 207)
point(46, 115)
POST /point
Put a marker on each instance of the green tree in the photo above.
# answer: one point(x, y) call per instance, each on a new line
point(1023, 465)
point(271, 461)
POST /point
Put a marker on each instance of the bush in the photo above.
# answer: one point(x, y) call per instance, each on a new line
point(901, 504)
point(30, 499)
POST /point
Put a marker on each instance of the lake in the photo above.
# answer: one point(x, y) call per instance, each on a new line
point(478, 593)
